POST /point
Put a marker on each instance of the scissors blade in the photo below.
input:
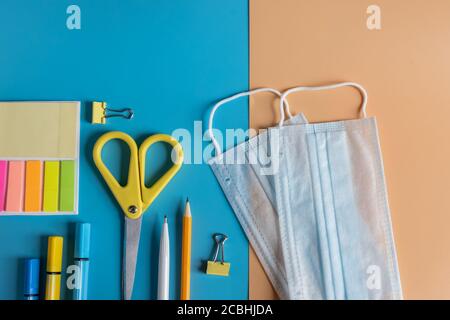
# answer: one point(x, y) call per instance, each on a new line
point(131, 246)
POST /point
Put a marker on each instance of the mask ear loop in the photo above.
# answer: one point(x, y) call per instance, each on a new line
point(318, 88)
point(237, 96)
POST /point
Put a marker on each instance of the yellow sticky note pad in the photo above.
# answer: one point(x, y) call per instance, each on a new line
point(218, 268)
point(39, 129)
point(51, 186)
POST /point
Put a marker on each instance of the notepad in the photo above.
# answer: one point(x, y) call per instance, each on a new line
point(39, 158)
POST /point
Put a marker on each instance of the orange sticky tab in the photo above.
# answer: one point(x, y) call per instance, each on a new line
point(33, 186)
point(15, 189)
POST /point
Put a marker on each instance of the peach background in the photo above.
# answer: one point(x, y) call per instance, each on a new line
point(405, 67)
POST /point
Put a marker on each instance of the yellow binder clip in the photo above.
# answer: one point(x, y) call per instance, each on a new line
point(99, 112)
point(219, 268)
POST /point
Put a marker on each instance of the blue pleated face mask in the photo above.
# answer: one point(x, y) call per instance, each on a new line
point(319, 222)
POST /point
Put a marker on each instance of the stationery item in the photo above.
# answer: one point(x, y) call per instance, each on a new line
point(3, 183)
point(33, 185)
point(15, 187)
point(40, 140)
point(135, 197)
point(36, 130)
point(31, 279)
point(67, 185)
point(263, 233)
point(341, 245)
point(81, 257)
point(54, 265)
point(51, 186)
point(186, 254)
point(100, 112)
point(219, 268)
point(164, 263)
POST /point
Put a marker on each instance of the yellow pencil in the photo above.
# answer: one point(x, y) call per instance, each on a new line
point(186, 254)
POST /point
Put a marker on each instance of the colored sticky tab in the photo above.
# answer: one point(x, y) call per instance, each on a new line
point(51, 186)
point(3, 181)
point(67, 186)
point(33, 186)
point(15, 186)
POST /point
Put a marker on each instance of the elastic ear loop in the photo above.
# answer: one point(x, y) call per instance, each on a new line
point(360, 88)
point(237, 96)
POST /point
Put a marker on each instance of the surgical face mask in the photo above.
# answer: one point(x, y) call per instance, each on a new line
point(245, 173)
point(320, 223)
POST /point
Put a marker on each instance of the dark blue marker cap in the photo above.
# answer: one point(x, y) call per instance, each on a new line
point(82, 240)
point(31, 280)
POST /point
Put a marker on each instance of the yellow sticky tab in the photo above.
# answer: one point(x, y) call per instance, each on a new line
point(51, 186)
point(218, 268)
point(98, 112)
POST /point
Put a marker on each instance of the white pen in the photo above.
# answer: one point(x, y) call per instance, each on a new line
point(164, 263)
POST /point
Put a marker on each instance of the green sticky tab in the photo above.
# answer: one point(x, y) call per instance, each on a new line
point(67, 186)
point(51, 186)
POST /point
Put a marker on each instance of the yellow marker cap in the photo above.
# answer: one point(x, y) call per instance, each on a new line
point(54, 254)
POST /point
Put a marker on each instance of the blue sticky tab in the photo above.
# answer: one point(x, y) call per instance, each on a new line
point(31, 281)
point(82, 240)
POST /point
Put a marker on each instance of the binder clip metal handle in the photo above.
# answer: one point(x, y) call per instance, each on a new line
point(100, 112)
point(220, 239)
point(126, 113)
point(219, 268)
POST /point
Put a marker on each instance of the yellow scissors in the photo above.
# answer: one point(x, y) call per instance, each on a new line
point(135, 197)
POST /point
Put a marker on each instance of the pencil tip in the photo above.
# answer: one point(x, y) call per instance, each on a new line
point(165, 219)
point(187, 199)
point(187, 209)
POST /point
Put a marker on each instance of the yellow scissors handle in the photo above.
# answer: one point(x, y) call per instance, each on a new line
point(128, 196)
point(134, 198)
point(149, 194)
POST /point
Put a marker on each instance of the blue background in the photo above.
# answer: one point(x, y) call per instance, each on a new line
point(170, 61)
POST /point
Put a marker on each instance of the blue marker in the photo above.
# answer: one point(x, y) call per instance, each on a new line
point(82, 244)
point(31, 281)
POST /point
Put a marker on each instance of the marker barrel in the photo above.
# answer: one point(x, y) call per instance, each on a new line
point(54, 265)
point(81, 286)
point(31, 279)
point(82, 250)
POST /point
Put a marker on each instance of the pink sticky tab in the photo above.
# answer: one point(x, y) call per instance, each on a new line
point(3, 181)
point(15, 186)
